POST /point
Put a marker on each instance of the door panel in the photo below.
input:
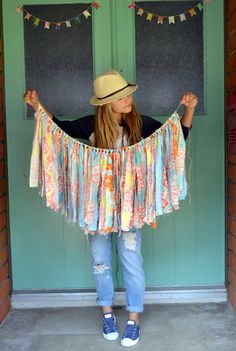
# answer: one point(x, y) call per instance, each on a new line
point(188, 247)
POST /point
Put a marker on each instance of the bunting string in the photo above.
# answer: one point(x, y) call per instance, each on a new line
point(160, 18)
point(57, 25)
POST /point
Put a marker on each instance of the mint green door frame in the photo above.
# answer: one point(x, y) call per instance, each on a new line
point(188, 247)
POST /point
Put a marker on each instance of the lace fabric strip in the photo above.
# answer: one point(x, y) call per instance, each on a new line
point(109, 190)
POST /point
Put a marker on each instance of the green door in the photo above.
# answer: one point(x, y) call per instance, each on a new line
point(188, 247)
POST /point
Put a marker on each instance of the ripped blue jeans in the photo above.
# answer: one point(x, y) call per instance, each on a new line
point(129, 251)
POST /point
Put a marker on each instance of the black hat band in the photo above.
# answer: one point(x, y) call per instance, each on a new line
point(115, 92)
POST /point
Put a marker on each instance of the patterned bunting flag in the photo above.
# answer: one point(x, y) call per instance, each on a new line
point(140, 12)
point(182, 17)
point(77, 20)
point(200, 6)
point(95, 5)
point(68, 24)
point(27, 16)
point(131, 5)
point(47, 25)
point(58, 26)
point(36, 22)
point(19, 9)
point(149, 16)
point(86, 13)
point(171, 20)
point(192, 12)
point(160, 19)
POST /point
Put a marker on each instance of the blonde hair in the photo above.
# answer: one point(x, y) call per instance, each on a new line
point(107, 128)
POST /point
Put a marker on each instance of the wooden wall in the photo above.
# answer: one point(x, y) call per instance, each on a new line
point(5, 284)
point(231, 156)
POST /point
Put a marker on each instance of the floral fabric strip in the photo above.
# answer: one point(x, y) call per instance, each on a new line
point(109, 190)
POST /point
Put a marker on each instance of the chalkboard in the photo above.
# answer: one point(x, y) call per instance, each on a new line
point(59, 63)
point(169, 57)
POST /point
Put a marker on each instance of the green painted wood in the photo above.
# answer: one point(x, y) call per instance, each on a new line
point(188, 247)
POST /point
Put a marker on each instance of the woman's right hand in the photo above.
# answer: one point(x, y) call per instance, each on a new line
point(32, 99)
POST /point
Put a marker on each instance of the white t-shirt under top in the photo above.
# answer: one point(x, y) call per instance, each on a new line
point(119, 142)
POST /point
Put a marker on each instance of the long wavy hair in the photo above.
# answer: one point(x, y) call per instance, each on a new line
point(107, 129)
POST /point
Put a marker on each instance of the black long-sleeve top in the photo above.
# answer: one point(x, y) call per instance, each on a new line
point(83, 127)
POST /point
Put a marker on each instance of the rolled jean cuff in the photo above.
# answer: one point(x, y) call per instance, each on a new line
point(104, 303)
point(137, 309)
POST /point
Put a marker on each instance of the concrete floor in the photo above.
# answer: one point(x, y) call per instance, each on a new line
point(164, 327)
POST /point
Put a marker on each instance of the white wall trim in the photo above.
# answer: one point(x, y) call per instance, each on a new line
point(82, 299)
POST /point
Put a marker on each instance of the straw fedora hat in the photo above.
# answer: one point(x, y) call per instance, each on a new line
point(109, 87)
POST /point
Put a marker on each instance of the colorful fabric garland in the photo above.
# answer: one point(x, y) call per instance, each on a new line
point(171, 19)
point(109, 190)
point(58, 24)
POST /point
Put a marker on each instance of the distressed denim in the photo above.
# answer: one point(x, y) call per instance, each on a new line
point(129, 251)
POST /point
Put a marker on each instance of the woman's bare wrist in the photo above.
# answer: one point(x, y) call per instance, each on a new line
point(36, 106)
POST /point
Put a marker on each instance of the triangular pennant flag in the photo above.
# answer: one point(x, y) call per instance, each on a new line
point(19, 9)
point(77, 19)
point(182, 17)
point(160, 19)
point(68, 24)
point(171, 20)
point(149, 16)
point(36, 22)
point(200, 6)
point(131, 5)
point(47, 25)
point(27, 16)
point(86, 13)
point(95, 5)
point(192, 12)
point(58, 26)
point(140, 12)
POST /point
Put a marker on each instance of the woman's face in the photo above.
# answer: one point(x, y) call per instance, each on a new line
point(123, 105)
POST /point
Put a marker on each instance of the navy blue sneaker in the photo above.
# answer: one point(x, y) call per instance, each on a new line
point(110, 330)
point(131, 334)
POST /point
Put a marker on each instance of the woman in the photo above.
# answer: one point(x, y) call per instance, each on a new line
point(117, 124)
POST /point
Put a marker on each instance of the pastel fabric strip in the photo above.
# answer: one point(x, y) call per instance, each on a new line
point(109, 190)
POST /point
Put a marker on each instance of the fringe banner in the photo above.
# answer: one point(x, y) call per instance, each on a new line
point(107, 190)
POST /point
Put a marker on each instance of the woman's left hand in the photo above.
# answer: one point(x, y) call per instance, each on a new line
point(189, 100)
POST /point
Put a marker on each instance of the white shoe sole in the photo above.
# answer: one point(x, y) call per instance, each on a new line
point(126, 342)
point(111, 336)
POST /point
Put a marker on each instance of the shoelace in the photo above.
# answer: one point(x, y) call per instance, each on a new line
point(130, 331)
point(110, 324)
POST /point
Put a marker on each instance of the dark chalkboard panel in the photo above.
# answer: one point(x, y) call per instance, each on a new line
point(169, 57)
point(59, 63)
